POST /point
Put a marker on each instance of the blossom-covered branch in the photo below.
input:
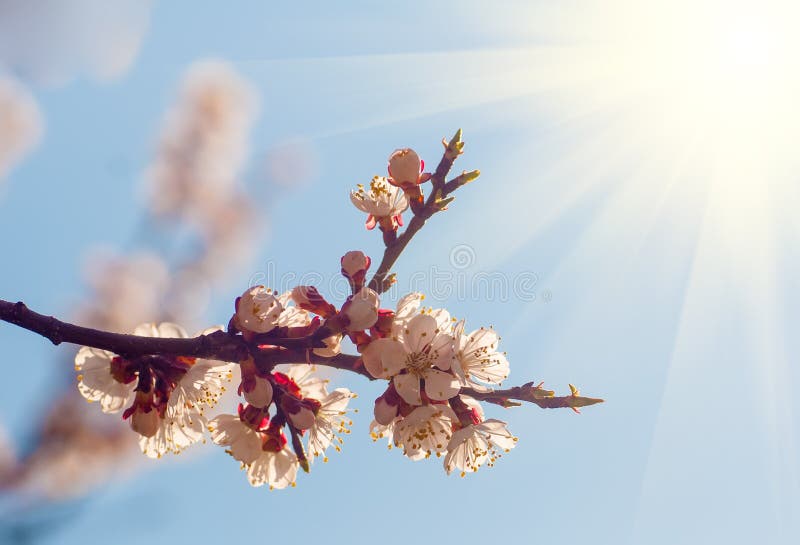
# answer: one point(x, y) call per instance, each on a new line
point(408, 164)
point(218, 345)
point(436, 372)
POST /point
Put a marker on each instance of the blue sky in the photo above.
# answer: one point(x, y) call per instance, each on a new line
point(648, 293)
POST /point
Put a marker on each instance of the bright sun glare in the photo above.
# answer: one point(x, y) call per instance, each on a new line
point(715, 80)
point(715, 58)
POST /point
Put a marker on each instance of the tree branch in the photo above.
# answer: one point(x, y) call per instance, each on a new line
point(436, 202)
point(233, 348)
point(218, 345)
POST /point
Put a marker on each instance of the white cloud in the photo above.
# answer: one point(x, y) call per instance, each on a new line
point(52, 41)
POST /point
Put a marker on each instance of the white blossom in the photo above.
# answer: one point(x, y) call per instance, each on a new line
point(276, 469)
point(478, 358)
point(258, 310)
point(426, 430)
point(184, 419)
point(199, 388)
point(177, 424)
point(475, 445)
point(243, 441)
point(381, 199)
point(97, 383)
point(331, 421)
point(422, 350)
point(331, 418)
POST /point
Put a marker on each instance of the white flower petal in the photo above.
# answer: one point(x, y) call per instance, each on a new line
point(304, 375)
point(497, 433)
point(146, 330)
point(440, 386)
point(425, 431)
point(333, 346)
point(170, 330)
point(466, 451)
point(96, 382)
point(408, 388)
point(408, 306)
point(442, 318)
point(294, 317)
point(277, 469)
point(384, 412)
point(331, 420)
point(244, 442)
point(384, 358)
point(420, 332)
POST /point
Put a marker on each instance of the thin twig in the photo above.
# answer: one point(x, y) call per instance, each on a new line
point(435, 203)
point(546, 399)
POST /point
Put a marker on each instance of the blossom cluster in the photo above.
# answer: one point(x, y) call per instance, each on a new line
point(434, 369)
point(388, 197)
point(164, 398)
point(427, 359)
point(422, 353)
point(196, 177)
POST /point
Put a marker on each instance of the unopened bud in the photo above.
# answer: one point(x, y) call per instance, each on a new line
point(257, 391)
point(308, 298)
point(361, 310)
point(405, 167)
point(354, 268)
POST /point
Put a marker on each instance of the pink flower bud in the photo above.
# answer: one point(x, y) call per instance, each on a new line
point(308, 298)
point(354, 262)
point(354, 268)
point(405, 167)
point(361, 310)
point(302, 419)
point(257, 391)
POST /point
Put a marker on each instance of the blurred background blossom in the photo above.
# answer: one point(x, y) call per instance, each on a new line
point(204, 223)
point(21, 124)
